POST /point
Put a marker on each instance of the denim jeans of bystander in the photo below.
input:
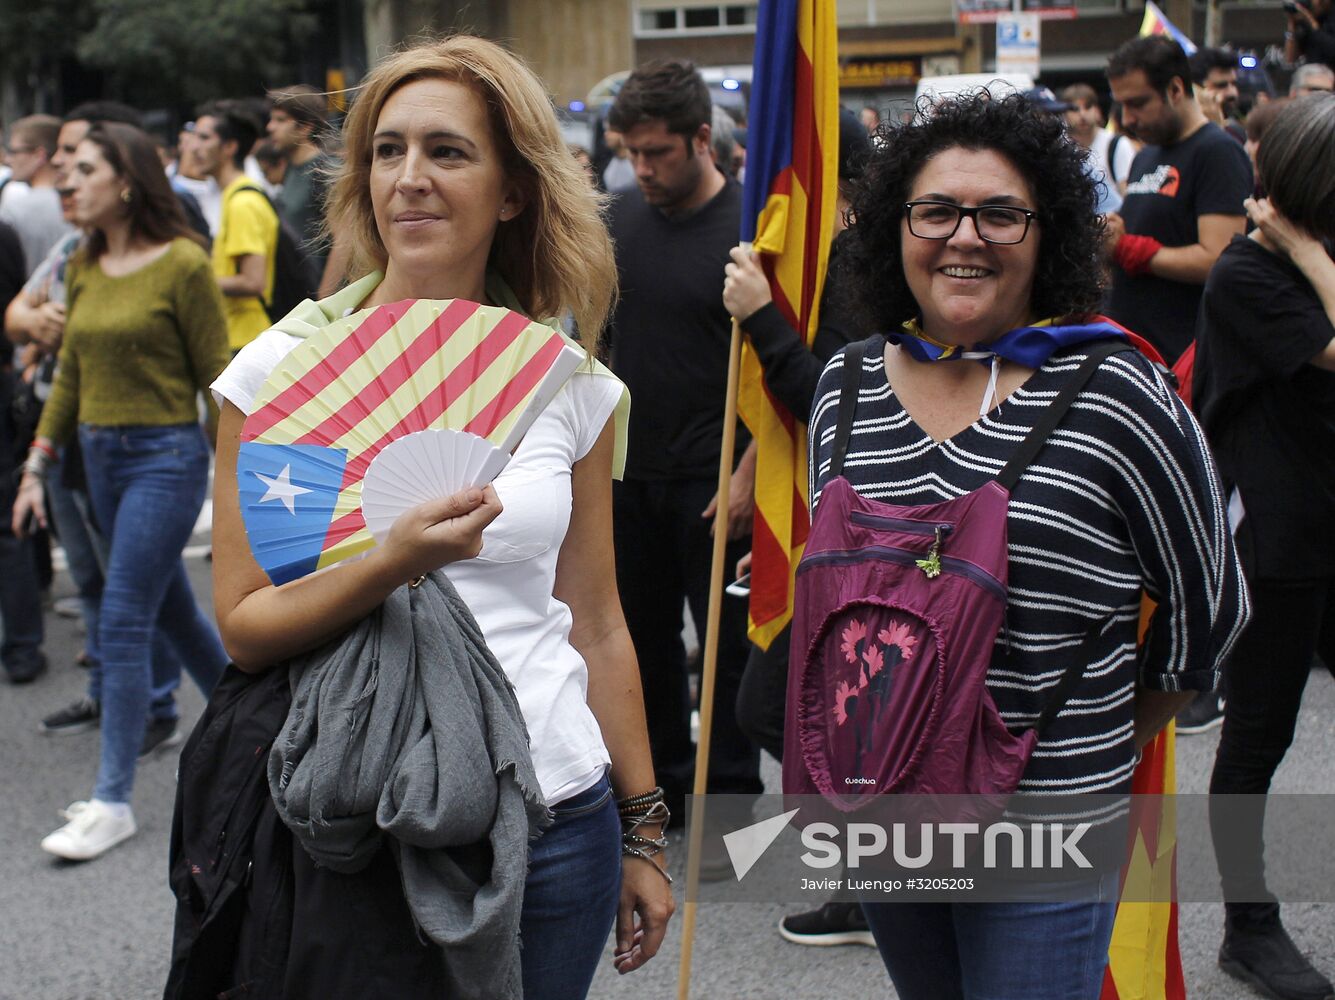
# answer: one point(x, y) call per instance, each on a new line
point(1023, 950)
point(86, 554)
point(147, 486)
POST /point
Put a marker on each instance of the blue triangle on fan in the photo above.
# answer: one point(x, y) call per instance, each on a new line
point(288, 493)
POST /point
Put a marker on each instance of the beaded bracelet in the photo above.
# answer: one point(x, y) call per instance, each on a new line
point(645, 854)
point(636, 811)
point(634, 803)
point(38, 460)
point(636, 840)
point(656, 813)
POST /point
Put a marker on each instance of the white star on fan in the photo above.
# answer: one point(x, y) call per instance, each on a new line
point(280, 487)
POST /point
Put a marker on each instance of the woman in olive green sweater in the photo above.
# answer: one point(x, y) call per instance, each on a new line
point(145, 332)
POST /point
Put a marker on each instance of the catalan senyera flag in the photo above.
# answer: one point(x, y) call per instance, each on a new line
point(1156, 23)
point(1144, 962)
point(788, 206)
point(339, 398)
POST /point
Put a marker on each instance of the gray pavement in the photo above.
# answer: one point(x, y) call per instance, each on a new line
point(102, 930)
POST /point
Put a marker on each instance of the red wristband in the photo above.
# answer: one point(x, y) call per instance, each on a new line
point(1134, 253)
point(45, 449)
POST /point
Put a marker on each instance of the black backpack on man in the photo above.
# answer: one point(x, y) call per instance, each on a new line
point(291, 271)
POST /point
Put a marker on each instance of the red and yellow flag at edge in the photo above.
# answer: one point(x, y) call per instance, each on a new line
point(793, 234)
point(1144, 962)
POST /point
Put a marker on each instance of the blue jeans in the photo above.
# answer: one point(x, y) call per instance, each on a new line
point(87, 553)
point(997, 951)
point(570, 896)
point(147, 486)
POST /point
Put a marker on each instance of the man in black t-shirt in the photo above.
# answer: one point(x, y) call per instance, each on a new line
point(1183, 201)
point(669, 343)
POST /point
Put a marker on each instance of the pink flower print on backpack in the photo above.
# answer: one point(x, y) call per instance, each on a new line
point(864, 702)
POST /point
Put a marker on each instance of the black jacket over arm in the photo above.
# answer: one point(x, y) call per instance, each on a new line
point(791, 368)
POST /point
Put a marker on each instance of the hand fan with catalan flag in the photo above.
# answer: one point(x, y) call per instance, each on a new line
point(383, 410)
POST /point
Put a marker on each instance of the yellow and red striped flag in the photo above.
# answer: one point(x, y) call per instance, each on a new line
point(788, 206)
point(1155, 22)
point(1144, 962)
point(341, 397)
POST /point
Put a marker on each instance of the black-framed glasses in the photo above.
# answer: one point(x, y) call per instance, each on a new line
point(939, 220)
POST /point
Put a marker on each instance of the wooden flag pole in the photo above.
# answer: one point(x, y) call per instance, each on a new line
point(709, 664)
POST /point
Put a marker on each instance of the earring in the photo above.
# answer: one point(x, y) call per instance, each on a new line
point(504, 213)
point(125, 196)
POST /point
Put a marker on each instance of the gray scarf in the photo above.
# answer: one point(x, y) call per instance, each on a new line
point(407, 726)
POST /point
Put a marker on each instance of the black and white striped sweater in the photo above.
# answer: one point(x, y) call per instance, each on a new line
point(1123, 497)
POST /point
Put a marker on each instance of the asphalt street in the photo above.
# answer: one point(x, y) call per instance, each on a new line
point(102, 930)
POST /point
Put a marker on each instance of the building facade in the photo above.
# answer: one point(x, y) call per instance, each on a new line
point(571, 44)
point(885, 46)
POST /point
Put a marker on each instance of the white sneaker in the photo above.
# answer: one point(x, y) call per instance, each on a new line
point(93, 829)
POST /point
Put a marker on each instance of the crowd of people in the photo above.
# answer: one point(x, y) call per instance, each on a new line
point(138, 274)
point(1144, 316)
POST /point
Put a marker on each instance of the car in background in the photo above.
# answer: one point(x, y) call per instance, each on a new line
point(577, 126)
point(1255, 85)
point(937, 88)
point(729, 89)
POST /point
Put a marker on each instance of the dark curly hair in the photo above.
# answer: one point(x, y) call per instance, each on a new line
point(1069, 276)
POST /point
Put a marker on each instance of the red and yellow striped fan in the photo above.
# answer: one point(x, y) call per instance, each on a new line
point(400, 374)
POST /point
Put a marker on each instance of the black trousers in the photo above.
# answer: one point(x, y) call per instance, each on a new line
point(1265, 675)
point(353, 936)
point(663, 555)
point(762, 700)
point(21, 559)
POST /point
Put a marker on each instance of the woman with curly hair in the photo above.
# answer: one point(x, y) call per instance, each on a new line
point(974, 250)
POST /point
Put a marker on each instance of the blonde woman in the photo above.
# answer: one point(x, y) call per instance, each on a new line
point(457, 185)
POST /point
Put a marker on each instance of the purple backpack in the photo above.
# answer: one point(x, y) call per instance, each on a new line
point(896, 613)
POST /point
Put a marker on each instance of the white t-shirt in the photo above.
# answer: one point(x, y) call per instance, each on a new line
point(1126, 152)
point(207, 194)
point(37, 219)
point(509, 586)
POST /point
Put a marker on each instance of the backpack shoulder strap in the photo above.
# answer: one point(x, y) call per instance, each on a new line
point(252, 186)
point(249, 185)
point(1098, 352)
point(848, 403)
point(1065, 687)
point(1033, 442)
point(1112, 156)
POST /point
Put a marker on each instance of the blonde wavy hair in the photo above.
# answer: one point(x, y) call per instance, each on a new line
point(556, 254)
